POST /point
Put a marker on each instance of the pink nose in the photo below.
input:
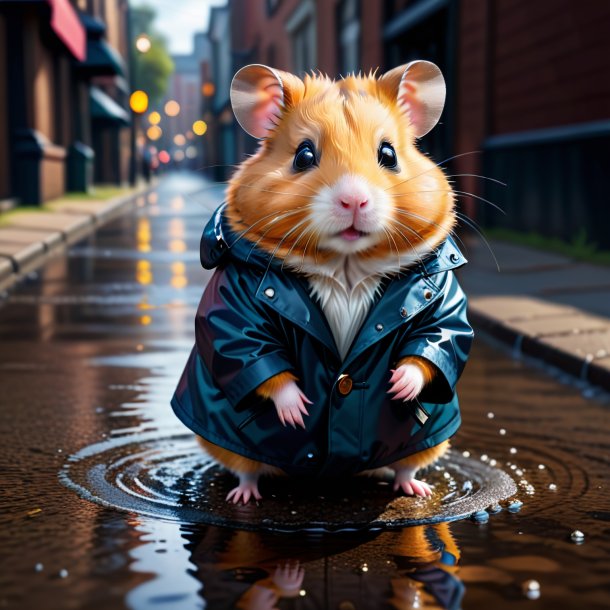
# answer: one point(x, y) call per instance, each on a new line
point(353, 202)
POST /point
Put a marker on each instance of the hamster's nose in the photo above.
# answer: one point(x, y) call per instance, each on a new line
point(353, 203)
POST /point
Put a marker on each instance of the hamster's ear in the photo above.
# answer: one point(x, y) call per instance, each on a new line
point(258, 95)
point(419, 88)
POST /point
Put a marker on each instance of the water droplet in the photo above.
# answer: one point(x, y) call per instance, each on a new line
point(519, 472)
point(513, 450)
point(492, 462)
point(364, 567)
point(63, 573)
point(484, 457)
point(515, 507)
point(577, 536)
point(541, 466)
point(496, 508)
point(490, 415)
point(446, 475)
point(302, 593)
point(293, 512)
point(531, 589)
point(502, 432)
point(552, 487)
point(39, 567)
point(466, 453)
point(513, 466)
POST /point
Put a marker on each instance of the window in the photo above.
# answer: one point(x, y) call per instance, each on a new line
point(348, 36)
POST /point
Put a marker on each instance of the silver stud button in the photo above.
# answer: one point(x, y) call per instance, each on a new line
point(403, 312)
point(269, 292)
point(379, 327)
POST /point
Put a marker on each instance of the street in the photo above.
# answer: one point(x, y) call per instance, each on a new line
point(91, 348)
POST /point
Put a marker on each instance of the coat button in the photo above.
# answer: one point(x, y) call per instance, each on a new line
point(427, 294)
point(454, 258)
point(345, 384)
point(379, 327)
point(403, 312)
point(269, 292)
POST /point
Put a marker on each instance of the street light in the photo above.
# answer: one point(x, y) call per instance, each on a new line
point(154, 132)
point(138, 102)
point(154, 118)
point(200, 127)
point(143, 43)
point(172, 108)
point(208, 89)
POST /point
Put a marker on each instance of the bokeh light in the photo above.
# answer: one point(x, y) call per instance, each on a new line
point(200, 127)
point(154, 132)
point(172, 108)
point(143, 43)
point(179, 140)
point(164, 156)
point(208, 89)
point(179, 155)
point(154, 118)
point(191, 152)
point(138, 102)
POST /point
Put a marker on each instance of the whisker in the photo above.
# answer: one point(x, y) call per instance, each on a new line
point(476, 176)
point(464, 193)
point(473, 226)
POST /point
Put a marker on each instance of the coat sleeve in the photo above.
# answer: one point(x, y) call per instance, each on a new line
point(442, 335)
point(238, 338)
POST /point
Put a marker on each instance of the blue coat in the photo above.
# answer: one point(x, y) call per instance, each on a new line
point(256, 320)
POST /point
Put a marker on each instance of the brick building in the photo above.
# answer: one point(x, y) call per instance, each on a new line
point(64, 95)
point(528, 101)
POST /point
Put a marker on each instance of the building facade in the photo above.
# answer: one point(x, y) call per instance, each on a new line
point(62, 108)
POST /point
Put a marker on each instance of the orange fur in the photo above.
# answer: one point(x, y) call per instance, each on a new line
point(235, 462)
point(268, 388)
point(424, 458)
point(427, 368)
point(346, 120)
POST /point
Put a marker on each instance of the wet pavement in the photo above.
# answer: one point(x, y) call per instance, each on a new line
point(90, 352)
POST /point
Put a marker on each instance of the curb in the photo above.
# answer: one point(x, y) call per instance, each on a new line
point(28, 241)
point(566, 337)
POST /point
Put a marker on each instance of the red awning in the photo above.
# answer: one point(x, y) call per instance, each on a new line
point(67, 26)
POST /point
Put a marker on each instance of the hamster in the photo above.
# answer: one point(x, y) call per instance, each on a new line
point(341, 202)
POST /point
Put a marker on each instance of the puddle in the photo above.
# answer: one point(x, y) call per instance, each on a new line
point(170, 478)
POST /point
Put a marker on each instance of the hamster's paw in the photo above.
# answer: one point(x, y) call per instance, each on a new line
point(411, 486)
point(289, 403)
point(408, 381)
point(247, 488)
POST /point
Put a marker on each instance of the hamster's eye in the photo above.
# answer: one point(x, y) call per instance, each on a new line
point(386, 156)
point(305, 157)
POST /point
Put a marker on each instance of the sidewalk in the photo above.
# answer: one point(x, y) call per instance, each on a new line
point(545, 305)
point(29, 237)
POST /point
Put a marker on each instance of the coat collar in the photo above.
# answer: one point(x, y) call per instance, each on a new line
point(406, 294)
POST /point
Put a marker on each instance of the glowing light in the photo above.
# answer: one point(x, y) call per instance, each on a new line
point(179, 156)
point(200, 127)
point(179, 140)
point(177, 245)
point(191, 152)
point(138, 102)
point(172, 108)
point(144, 274)
point(189, 134)
point(154, 118)
point(208, 89)
point(145, 320)
point(178, 268)
point(176, 228)
point(164, 156)
point(154, 132)
point(179, 281)
point(143, 235)
point(143, 43)
point(177, 203)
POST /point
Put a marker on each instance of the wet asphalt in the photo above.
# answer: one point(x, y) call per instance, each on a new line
point(91, 348)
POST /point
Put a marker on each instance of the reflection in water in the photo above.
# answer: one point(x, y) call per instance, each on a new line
point(144, 274)
point(143, 234)
point(414, 568)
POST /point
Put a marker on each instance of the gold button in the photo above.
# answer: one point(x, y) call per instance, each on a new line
point(345, 384)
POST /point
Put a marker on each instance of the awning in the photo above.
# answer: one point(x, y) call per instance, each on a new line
point(104, 108)
point(68, 27)
point(102, 59)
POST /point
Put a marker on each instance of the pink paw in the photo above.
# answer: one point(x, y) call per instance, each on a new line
point(412, 487)
point(244, 491)
point(290, 405)
point(408, 381)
